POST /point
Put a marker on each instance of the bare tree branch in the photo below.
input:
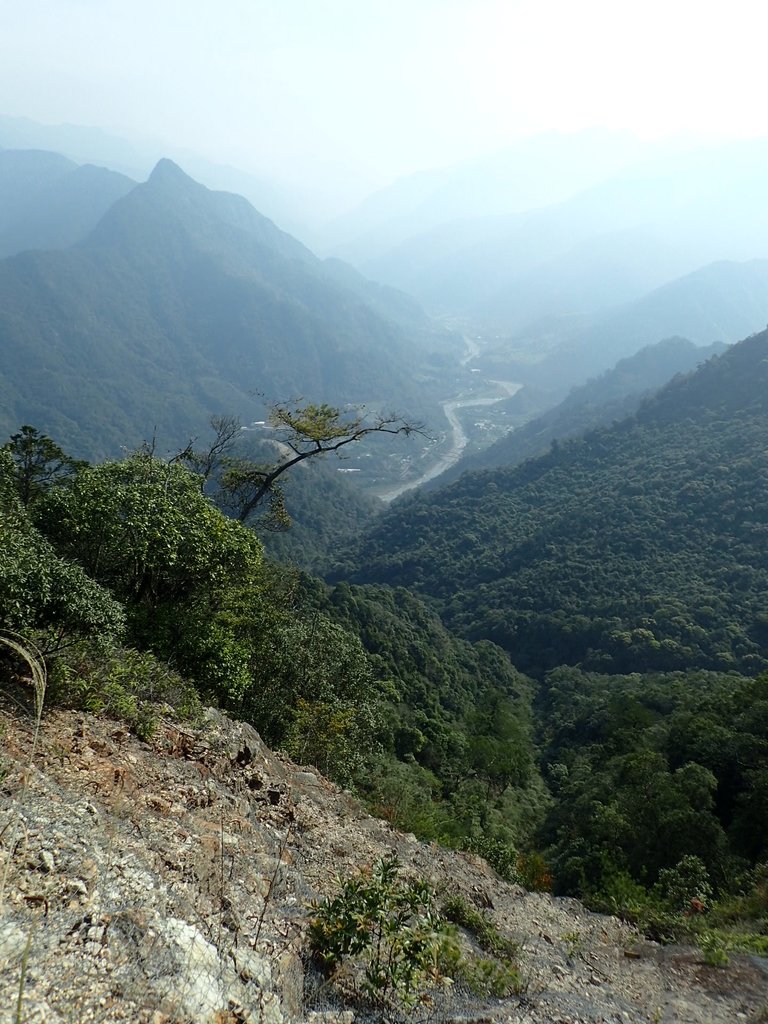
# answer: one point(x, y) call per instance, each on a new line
point(206, 462)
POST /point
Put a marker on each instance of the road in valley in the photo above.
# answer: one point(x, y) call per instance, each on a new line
point(459, 438)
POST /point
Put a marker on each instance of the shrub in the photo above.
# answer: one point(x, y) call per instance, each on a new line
point(500, 854)
point(714, 949)
point(686, 886)
point(125, 684)
point(387, 928)
point(488, 936)
point(533, 872)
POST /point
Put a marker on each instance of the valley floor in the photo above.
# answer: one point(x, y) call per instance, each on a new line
point(459, 439)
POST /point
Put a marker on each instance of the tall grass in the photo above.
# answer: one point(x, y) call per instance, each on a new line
point(32, 657)
point(34, 660)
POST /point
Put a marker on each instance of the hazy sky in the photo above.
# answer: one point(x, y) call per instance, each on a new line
point(379, 88)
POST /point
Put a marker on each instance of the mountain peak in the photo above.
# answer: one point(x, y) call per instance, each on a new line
point(166, 171)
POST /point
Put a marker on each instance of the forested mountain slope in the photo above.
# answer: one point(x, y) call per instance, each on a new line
point(640, 547)
point(182, 303)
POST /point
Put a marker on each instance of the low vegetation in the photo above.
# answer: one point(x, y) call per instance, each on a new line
point(383, 940)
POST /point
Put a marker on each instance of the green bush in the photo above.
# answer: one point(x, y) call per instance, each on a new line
point(457, 910)
point(42, 594)
point(388, 929)
point(130, 685)
point(714, 949)
point(685, 886)
point(489, 977)
point(500, 854)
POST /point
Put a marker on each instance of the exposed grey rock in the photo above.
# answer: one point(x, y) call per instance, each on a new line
point(171, 883)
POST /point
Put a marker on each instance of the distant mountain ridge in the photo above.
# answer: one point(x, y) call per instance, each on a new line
point(88, 145)
point(49, 202)
point(685, 209)
point(720, 302)
point(180, 303)
point(536, 171)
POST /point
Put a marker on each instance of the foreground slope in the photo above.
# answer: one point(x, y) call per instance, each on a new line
point(640, 547)
point(170, 881)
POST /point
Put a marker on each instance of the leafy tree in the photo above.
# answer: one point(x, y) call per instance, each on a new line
point(39, 591)
point(142, 528)
point(39, 463)
point(687, 780)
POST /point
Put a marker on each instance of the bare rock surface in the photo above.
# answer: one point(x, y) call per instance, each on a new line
point(169, 883)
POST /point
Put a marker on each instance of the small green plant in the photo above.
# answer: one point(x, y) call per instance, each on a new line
point(573, 943)
point(488, 936)
point(389, 928)
point(621, 895)
point(485, 977)
point(713, 949)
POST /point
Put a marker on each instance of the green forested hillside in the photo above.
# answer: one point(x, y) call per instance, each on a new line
point(457, 725)
point(639, 548)
point(182, 303)
point(647, 769)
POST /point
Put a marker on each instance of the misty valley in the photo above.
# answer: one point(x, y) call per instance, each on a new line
point(460, 497)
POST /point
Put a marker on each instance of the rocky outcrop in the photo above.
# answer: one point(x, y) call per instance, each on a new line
point(170, 882)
